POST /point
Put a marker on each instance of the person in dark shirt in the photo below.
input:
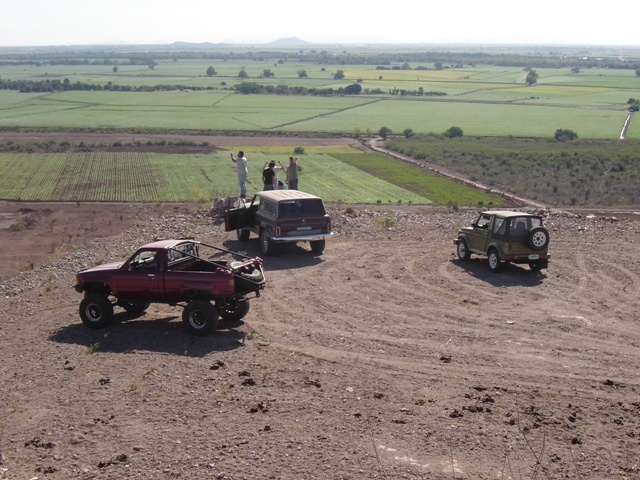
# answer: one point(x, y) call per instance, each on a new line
point(269, 177)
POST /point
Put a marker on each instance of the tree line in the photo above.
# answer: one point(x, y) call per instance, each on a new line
point(354, 89)
point(48, 86)
point(322, 57)
point(55, 85)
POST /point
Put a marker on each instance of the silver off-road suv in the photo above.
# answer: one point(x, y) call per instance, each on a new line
point(506, 237)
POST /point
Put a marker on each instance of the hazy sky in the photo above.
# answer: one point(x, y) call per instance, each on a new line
point(74, 22)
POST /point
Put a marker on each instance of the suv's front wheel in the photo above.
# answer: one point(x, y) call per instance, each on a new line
point(463, 250)
point(243, 234)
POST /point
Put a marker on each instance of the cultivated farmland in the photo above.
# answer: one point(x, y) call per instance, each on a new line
point(481, 99)
point(149, 177)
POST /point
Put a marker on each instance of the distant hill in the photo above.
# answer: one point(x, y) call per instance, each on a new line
point(289, 42)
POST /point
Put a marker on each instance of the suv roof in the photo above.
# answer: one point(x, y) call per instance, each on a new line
point(508, 213)
point(277, 195)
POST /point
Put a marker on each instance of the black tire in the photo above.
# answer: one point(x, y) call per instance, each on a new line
point(233, 310)
point(96, 311)
point(463, 250)
point(200, 317)
point(267, 246)
point(135, 306)
point(243, 234)
point(317, 246)
point(538, 238)
point(495, 265)
point(535, 266)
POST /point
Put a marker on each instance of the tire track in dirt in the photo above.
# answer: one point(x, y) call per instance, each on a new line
point(400, 339)
point(447, 272)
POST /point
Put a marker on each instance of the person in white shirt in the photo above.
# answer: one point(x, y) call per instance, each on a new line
point(242, 171)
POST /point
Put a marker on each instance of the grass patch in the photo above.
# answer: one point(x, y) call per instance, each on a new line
point(581, 172)
point(434, 188)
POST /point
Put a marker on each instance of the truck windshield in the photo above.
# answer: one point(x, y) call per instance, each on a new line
point(299, 208)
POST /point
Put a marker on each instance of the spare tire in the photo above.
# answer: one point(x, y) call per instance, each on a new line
point(247, 278)
point(538, 238)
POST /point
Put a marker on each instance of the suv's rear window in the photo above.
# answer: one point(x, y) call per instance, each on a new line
point(520, 226)
point(300, 208)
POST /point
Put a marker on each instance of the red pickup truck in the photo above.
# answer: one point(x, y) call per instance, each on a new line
point(173, 272)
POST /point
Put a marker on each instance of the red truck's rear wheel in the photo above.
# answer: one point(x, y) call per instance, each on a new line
point(200, 317)
point(233, 310)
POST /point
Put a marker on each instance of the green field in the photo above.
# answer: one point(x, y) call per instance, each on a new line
point(214, 111)
point(335, 175)
point(403, 89)
point(483, 100)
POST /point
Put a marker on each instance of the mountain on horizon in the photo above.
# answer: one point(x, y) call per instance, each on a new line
point(289, 42)
point(281, 42)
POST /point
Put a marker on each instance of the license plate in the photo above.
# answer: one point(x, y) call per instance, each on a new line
point(533, 256)
point(303, 228)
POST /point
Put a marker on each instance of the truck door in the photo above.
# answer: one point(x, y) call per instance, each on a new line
point(478, 237)
point(140, 277)
point(235, 214)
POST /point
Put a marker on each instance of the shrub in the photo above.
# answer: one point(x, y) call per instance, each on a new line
point(384, 132)
point(564, 135)
point(18, 226)
point(453, 132)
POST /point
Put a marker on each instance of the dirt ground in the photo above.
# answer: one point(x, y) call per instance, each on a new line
point(383, 358)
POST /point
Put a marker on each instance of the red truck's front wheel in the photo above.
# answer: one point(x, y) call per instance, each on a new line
point(200, 317)
point(96, 311)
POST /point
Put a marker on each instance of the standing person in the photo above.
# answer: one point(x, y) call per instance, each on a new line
point(279, 169)
point(292, 173)
point(272, 165)
point(242, 171)
point(269, 178)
